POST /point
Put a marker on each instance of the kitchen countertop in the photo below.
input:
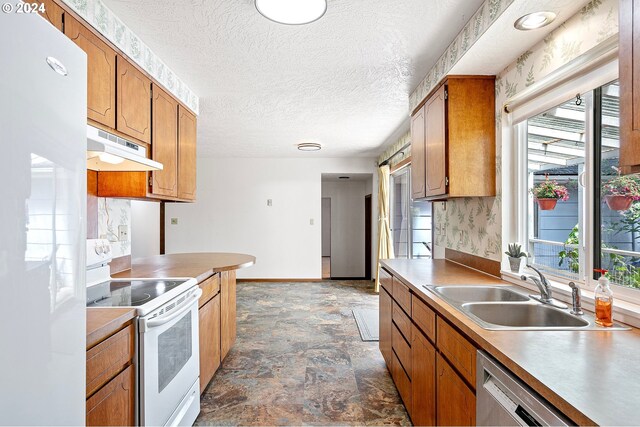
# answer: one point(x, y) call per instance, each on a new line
point(199, 265)
point(590, 376)
point(102, 322)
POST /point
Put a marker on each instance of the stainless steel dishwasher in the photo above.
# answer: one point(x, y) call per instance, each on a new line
point(504, 400)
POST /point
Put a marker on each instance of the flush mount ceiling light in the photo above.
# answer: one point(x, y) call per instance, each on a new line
point(292, 12)
point(534, 20)
point(309, 146)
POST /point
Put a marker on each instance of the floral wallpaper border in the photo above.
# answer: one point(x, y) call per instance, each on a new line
point(393, 149)
point(110, 26)
point(484, 17)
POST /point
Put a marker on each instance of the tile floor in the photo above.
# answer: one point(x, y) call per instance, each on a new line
point(299, 359)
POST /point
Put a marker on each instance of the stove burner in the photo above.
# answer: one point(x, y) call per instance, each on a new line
point(141, 298)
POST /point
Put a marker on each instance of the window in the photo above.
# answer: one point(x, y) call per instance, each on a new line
point(572, 149)
point(411, 220)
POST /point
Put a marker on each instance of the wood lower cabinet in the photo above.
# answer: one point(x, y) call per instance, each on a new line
point(423, 380)
point(629, 55)
point(453, 136)
point(227, 312)
point(101, 72)
point(456, 402)
point(133, 101)
point(386, 325)
point(164, 145)
point(209, 329)
point(52, 12)
point(114, 404)
point(186, 154)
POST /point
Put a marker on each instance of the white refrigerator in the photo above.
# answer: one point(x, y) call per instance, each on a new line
point(42, 224)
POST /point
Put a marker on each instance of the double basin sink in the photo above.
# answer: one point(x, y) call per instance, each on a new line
point(501, 307)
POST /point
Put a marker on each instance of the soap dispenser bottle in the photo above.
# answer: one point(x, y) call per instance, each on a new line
point(603, 301)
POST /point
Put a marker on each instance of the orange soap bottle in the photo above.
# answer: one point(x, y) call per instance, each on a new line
point(603, 301)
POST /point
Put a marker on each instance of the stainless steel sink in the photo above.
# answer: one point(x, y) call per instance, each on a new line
point(499, 307)
point(524, 315)
point(479, 293)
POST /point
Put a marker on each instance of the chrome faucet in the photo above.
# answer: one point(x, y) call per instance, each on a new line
point(576, 299)
point(544, 287)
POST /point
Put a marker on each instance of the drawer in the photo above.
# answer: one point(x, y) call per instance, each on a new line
point(402, 349)
point(110, 357)
point(402, 321)
point(423, 317)
point(402, 381)
point(210, 287)
point(402, 295)
point(458, 350)
point(386, 281)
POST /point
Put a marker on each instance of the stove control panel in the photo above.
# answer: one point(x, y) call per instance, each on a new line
point(98, 252)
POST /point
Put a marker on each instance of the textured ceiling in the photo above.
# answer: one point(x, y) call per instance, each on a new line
point(343, 81)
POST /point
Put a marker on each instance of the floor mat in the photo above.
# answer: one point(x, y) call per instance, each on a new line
point(368, 324)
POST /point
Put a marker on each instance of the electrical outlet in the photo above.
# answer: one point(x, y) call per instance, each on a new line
point(123, 233)
point(174, 221)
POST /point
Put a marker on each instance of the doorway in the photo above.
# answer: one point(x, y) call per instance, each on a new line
point(326, 237)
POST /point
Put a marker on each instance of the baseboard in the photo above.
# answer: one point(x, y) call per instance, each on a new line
point(348, 278)
point(281, 280)
point(481, 264)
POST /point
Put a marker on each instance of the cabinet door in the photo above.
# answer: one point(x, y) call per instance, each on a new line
point(114, 404)
point(629, 56)
point(435, 144)
point(227, 312)
point(456, 402)
point(209, 315)
point(134, 102)
point(386, 310)
point(52, 13)
point(423, 380)
point(101, 72)
point(164, 144)
point(186, 154)
point(418, 155)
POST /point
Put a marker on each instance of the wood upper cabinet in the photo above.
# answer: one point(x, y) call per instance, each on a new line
point(423, 380)
point(101, 72)
point(227, 311)
point(209, 329)
point(435, 142)
point(418, 155)
point(164, 144)
point(456, 402)
point(386, 307)
point(458, 140)
point(52, 13)
point(114, 404)
point(629, 58)
point(186, 154)
point(134, 101)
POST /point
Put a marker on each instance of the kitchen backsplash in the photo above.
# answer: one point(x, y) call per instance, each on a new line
point(474, 225)
point(113, 214)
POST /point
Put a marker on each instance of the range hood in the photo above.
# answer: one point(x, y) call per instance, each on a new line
point(108, 152)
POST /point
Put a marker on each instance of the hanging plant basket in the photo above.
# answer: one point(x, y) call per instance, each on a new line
point(547, 204)
point(618, 202)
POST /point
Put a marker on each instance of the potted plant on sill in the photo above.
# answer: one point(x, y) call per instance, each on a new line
point(548, 192)
point(515, 255)
point(620, 192)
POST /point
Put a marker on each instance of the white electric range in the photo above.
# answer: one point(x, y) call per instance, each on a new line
point(168, 353)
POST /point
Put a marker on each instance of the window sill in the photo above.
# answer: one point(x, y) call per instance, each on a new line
point(623, 311)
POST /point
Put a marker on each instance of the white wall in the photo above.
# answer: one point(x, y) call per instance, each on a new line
point(326, 226)
point(347, 226)
point(145, 229)
point(231, 212)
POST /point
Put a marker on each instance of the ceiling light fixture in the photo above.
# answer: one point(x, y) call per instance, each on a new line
point(309, 146)
point(534, 20)
point(292, 12)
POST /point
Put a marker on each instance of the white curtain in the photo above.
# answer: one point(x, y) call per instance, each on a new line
point(385, 246)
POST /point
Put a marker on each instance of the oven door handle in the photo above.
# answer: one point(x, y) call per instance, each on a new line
point(177, 312)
